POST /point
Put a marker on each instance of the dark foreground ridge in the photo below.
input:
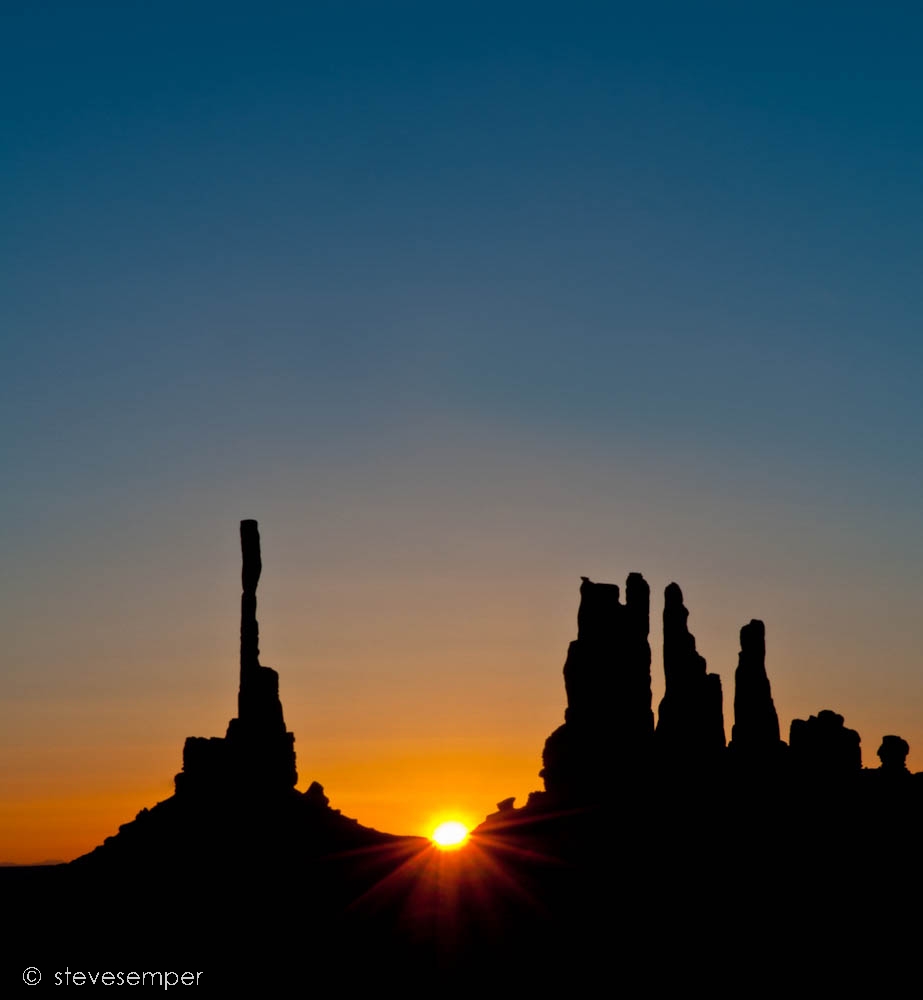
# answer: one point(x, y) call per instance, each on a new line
point(650, 845)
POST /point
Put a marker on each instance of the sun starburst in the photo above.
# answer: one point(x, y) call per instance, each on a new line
point(450, 834)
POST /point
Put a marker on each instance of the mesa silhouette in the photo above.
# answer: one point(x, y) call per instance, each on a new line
point(646, 836)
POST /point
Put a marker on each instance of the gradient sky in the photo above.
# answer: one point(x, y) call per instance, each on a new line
point(461, 302)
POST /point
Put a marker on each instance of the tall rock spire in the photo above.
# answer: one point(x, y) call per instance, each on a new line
point(251, 567)
point(265, 750)
point(690, 722)
point(257, 755)
point(755, 736)
point(608, 723)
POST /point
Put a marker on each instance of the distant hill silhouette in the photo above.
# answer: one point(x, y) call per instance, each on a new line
point(647, 840)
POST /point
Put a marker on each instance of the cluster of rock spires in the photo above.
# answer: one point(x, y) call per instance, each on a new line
point(609, 726)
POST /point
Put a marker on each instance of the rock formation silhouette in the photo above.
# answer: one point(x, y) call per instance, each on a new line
point(755, 740)
point(608, 750)
point(257, 756)
point(893, 755)
point(821, 745)
point(690, 722)
point(236, 794)
point(608, 721)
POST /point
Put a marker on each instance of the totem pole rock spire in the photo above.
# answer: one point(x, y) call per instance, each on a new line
point(266, 749)
point(257, 755)
point(251, 567)
point(258, 698)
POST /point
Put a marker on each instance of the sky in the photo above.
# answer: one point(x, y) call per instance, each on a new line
point(460, 302)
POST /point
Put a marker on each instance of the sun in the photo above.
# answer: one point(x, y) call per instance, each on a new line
point(450, 835)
